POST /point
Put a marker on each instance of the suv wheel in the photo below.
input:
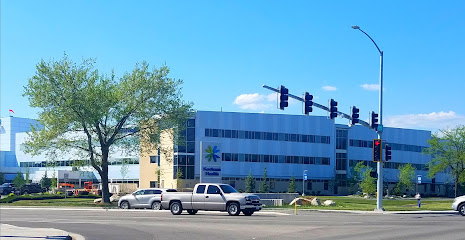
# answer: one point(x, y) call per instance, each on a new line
point(461, 209)
point(233, 209)
point(176, 208)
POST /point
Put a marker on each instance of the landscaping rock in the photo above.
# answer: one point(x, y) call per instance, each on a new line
point(329, 203)
point(98, 200)
point(114, 198)
point(316, 202)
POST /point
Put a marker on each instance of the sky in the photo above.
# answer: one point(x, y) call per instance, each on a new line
point(224, 51)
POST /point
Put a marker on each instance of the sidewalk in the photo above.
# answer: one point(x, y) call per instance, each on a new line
point(11, 232)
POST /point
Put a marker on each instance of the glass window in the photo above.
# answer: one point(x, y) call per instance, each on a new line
point(247, 158)
point(191, 123)
point(200, 189)
point(280, 159)
point(182, 148)
point(325, 161)
point(241, 134)
point(241, 157)
point(234, 133)
point(254, 158)
point(227, 133)
point(190, 160)
point(191, 147)
point(153, 159)
point(304, 138)
point(190, 172)
point(234, 157)
point(257, 135)
point(213, 190)
point(207, 132)
point(227, 157)
point(275, 136)
point(215, 133)
point(181, 159)
point(190, 134)
point(281, 136)
point(286, 137)
point(266, 158)
point(269, 136)
point(293, 137)
point(306, 160)
point(227, 189)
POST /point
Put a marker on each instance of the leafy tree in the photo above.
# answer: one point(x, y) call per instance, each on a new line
point(447, 149)
point(19, 181)
point(250, 183)
point(28, 176)
point(124, 170)
point(46, 182)
point(54, 181)
point(264, 185)
point(367, 183)
point(292, 188)
point(406, 177)
point(96, 114)
point(179, 177)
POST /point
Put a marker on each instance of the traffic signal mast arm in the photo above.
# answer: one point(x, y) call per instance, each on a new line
point(341, 114)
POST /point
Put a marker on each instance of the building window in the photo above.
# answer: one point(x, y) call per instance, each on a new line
point(153, 184)
point(154, 159)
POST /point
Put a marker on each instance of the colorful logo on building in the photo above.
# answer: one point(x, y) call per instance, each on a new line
point(212, 153)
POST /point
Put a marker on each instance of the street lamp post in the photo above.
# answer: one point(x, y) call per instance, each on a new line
point(304, 178)
point(379, 189)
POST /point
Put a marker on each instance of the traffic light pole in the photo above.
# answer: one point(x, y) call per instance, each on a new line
point(339, 114)
point(379, 188)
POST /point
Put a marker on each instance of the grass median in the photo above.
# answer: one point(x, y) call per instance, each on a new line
point(362, 204)
point(53, 201)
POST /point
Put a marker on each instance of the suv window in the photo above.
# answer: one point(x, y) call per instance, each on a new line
point(200, 189)
point(213, 190)
point(140, 192)
point(171, 190)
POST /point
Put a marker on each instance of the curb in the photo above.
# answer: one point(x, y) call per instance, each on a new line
point(369, 212)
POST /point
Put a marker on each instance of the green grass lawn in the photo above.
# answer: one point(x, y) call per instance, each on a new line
point(68, 202)
point(358, 203)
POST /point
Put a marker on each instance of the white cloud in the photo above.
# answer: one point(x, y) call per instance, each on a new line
point(370, 87)
point(431, 121)
point(329, 88)
point(255, 101)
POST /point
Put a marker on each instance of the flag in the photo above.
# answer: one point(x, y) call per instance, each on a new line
point(11, 111)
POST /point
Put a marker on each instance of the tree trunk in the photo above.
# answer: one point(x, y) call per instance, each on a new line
point(104, 176)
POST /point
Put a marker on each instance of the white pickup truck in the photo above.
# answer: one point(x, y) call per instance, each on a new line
point(211, 197)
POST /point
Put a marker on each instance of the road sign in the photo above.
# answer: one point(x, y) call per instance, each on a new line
point(305, 176)
point(419, 179)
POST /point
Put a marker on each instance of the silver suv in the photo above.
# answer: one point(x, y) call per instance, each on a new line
point(143, 198)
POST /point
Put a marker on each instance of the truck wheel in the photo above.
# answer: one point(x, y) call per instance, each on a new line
point(233, 209)
point(461, 209)
point(125, 205)
point(176, 208)
point(248, 212)
point(192, 211)
point(156, 205)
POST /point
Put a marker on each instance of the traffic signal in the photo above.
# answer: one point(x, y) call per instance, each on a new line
point(387, 152)
point(377, 150)
point(283, 97)
point(332, 109)
point(308, 103)
point(374, 120)
point(355, 115)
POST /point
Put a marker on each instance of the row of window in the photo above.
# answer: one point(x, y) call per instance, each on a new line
point(240, 157)
point(75, 162)
point(395, 146)
point(390, 165)
point(275, 179)
point(271, 136)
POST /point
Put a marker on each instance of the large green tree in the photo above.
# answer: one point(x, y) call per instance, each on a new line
point(264, 185)
point(292, 187)
point(447, 149)
point(367, 183)
point(406, 177)
point(250, 183)
point(92, 114)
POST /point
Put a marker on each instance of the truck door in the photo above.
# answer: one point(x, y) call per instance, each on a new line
point(214, 199)
point(198, 198)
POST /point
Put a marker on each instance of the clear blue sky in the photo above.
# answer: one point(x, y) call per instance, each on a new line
point(225, 50)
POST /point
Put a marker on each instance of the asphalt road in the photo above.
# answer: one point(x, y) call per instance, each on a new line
point(146, 224)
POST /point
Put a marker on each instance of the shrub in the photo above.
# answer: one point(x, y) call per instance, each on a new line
point(11, 194)
point(83, 193)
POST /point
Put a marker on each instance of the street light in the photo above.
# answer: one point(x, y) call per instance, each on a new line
point(304, 178)
point(379, 189)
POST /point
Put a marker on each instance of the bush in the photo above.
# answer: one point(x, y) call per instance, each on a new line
point(83, 193)
point(13, 198)
point(11, 194)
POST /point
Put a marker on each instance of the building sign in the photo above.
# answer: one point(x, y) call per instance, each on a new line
point(211, 162)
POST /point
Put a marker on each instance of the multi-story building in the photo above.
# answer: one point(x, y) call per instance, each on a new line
point(13, 159)
point(286, 146)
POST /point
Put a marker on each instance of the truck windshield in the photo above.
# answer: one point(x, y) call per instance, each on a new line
point(228, 189)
